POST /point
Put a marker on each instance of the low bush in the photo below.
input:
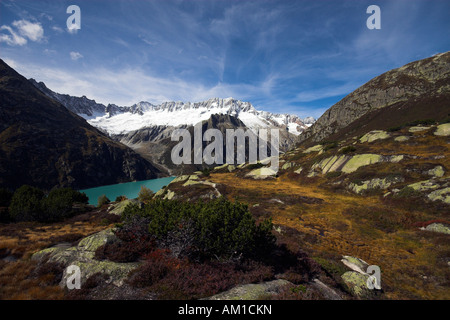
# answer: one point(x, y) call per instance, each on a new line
point(172, 278)
point(145, 195)
point(102, 200)
point(58, 204)
point(424, 122)
point(206, 172)
point(26, 204)
point(218, 229)
point(329, 145)
point(348, 149)
point(134, 241)
point(254, 166)
point(120, 198)
point(333, 174)
point(31, 204)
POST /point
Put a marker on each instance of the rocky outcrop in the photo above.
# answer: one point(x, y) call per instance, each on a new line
point(358, 279)
point(374, 184)
point(349, 164)
point(374, 135)
point(434, 189)
point(426, 79)
point(437, 227)
point(443, 130)
point(83, 256)
point(261, 174)
point(252, 291)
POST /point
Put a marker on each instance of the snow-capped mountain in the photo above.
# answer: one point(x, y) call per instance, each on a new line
point(121, 120)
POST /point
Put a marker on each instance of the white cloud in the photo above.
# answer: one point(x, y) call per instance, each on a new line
point(32, 31)
point(75, 55)
point(23, 29)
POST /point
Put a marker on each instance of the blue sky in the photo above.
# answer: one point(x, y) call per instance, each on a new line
point(283, 56)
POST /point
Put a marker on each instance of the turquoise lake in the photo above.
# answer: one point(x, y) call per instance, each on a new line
point(128, 189)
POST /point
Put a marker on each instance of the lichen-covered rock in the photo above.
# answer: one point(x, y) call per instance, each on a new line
point(418, 129)
point(299, 170)
point(440, 195)
point(287, 165)
point(316, 148)
point(443, 130)
point(374, 135)
point(437, 227)
point(401, 138)
point(376, 183)
point(169, 195)
point(180, 179)
point(355, 264)
point(360, 160)
point(357, 283)
point(116, 271)
point(119, 207)
point(437, 171)
point(83, 256)
point(93, 242)
point(424, 185)
point(252, 291)
point(261, 173)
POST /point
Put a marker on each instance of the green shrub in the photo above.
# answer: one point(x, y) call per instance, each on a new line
point(206, 172)
point(58, 204)
point(394, 129)
point(333, 174)
point(408, 192)
point(26, 204)
point(253, 166)
point(424, 122)
point(145, 194)
point(218, 228)
point(120, 198)
point(102, 200)
point(30, 204)
point(329, 145)
point(348, 149)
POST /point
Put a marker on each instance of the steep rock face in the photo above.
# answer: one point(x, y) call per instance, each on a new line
point(411, 86)
point(154, 143)
point(45, 145)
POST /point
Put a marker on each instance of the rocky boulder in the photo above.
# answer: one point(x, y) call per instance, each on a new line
point(83, 256)
point(252, 291)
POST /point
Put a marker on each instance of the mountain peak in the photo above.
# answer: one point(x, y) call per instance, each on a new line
point(118, 120)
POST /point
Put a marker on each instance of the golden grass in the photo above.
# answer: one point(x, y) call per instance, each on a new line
point(24, 239)
point(400, 254)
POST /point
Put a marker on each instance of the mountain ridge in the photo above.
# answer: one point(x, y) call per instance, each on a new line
point(102, 116)
point(426, 79)
point(44, 144)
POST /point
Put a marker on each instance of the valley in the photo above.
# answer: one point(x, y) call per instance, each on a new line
point(367, 184)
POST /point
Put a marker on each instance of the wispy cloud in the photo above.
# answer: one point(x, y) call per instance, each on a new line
point(13, 38)
point(75, 55)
